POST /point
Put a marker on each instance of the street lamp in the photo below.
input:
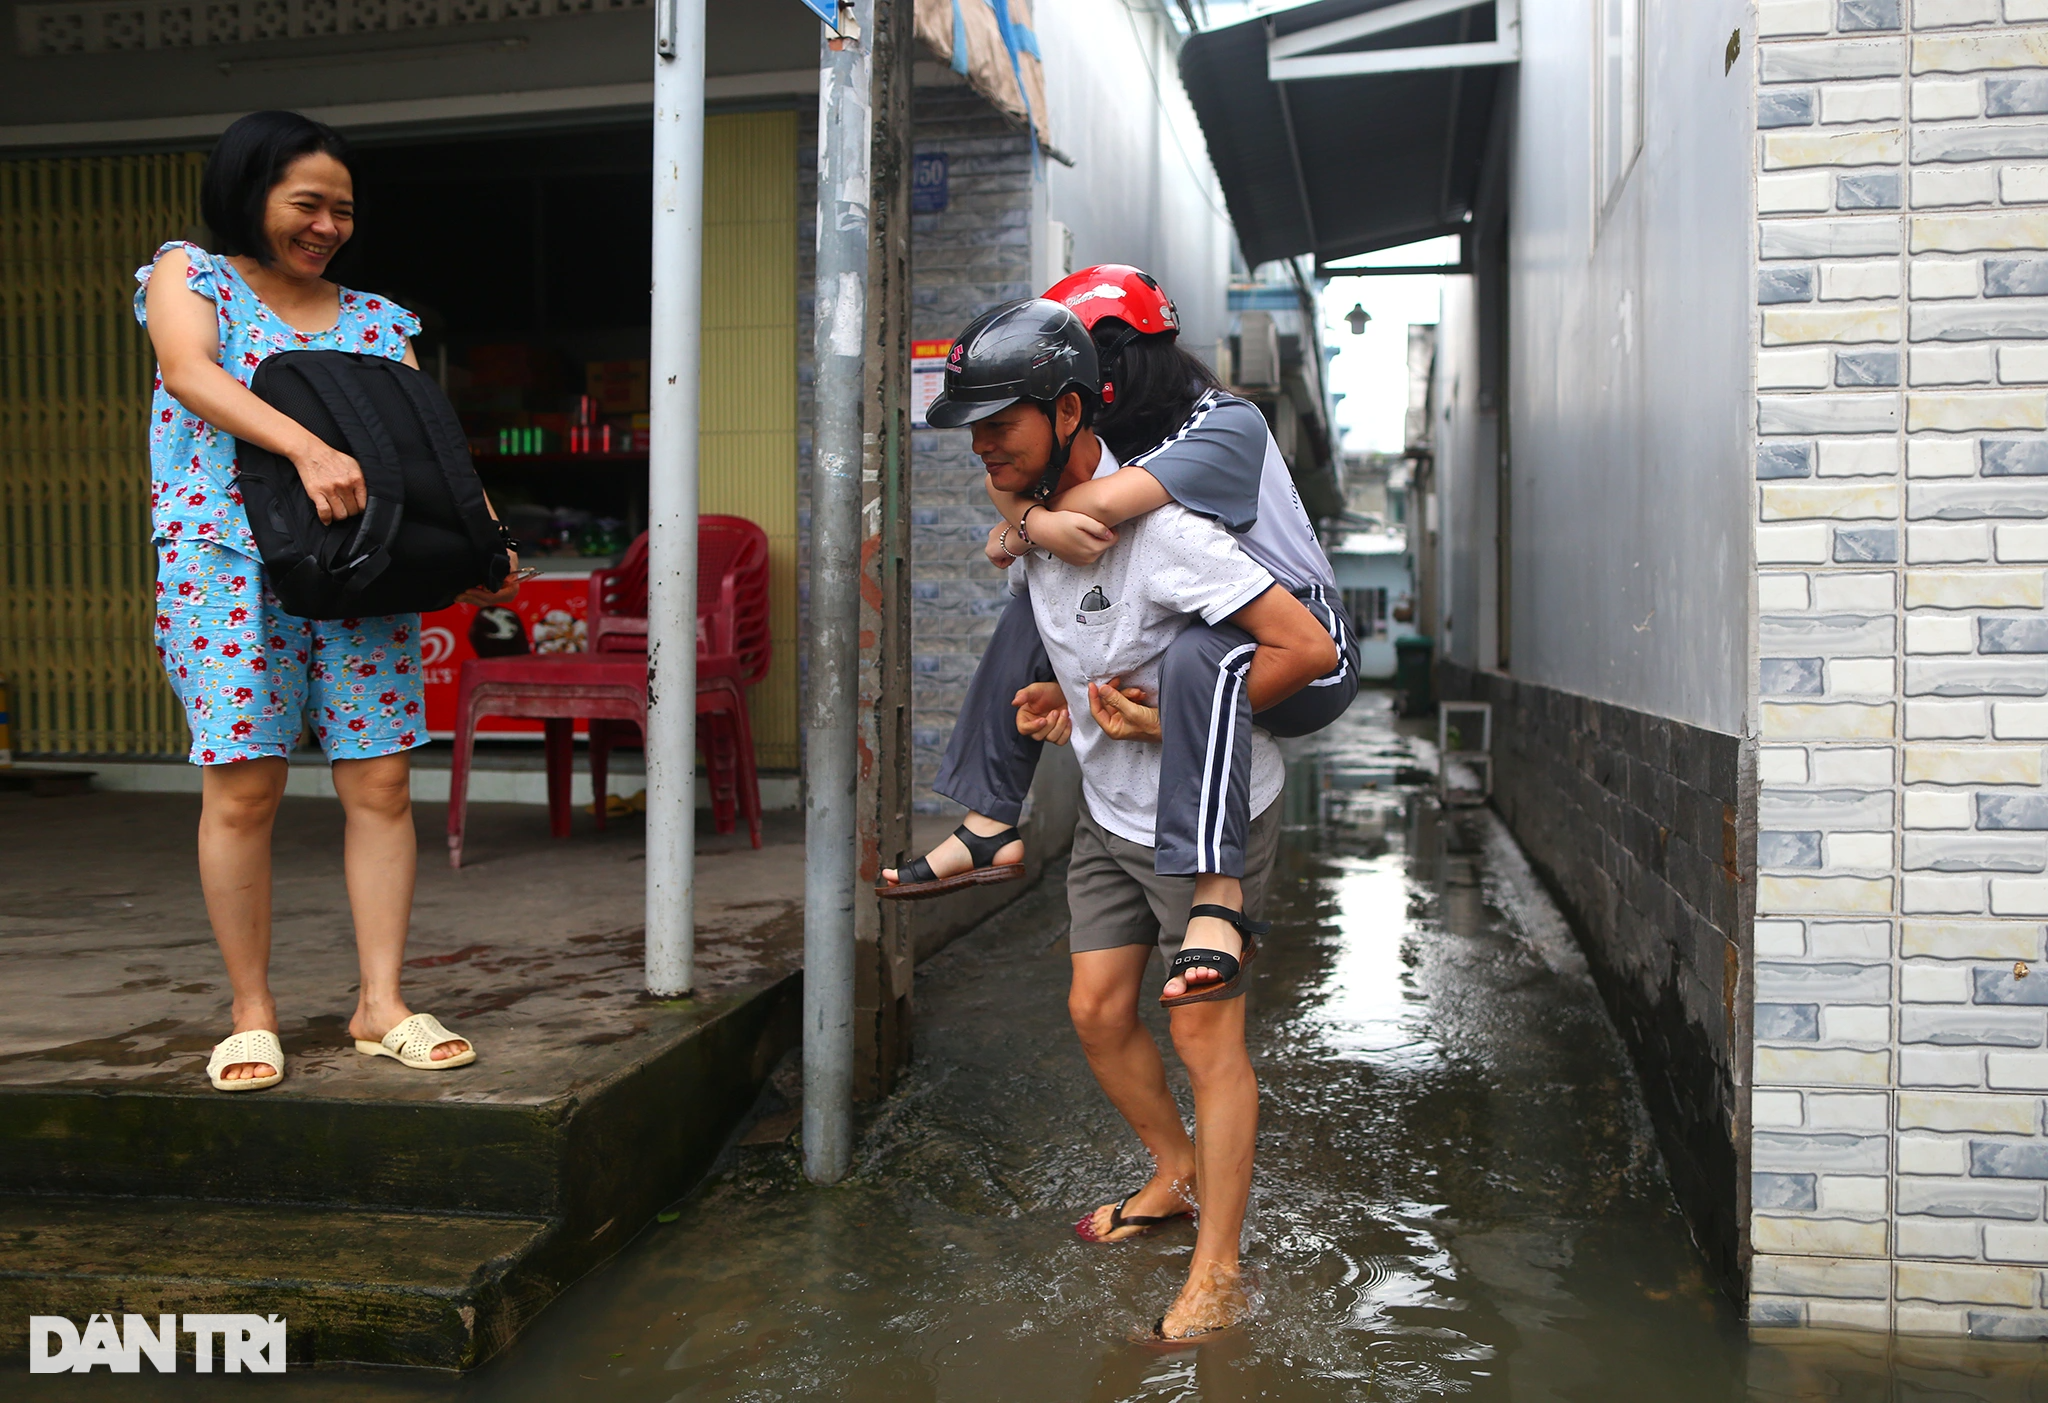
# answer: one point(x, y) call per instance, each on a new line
point(1358, 317)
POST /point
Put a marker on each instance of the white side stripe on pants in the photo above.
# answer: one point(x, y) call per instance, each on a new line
point(1340, 633)
point(1216, 762)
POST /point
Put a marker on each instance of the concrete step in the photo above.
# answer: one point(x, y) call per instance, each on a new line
point(585, 1133)
point(425, 1290)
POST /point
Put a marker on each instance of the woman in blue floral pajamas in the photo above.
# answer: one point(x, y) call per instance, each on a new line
point(279, 198)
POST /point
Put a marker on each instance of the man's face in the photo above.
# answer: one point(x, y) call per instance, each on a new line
point(1015, 446)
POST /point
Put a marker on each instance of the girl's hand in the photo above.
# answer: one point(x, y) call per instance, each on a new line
point(1042, 713)
point(504, 594)
point(997, 556)
point(1121, 712)
point(1074, 538)
point(333, 480)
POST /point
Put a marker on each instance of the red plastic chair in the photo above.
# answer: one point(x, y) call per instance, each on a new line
point(733, 653)
point(732, 597)
point(608, 685)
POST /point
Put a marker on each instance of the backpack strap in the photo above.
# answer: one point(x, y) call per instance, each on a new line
point(451, 451)
point(367, 553)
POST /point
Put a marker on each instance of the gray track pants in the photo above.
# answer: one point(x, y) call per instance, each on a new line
point(1205, 722)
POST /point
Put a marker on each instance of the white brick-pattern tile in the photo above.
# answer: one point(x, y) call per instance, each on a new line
point(1899, 1112)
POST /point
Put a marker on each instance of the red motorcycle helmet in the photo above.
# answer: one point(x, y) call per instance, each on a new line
point(1131, 295)
point(1116, 292)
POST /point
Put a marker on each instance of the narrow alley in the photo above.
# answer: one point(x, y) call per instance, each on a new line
point(1457, 1194)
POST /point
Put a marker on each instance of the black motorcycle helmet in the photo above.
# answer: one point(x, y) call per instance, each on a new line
point(1031, 349)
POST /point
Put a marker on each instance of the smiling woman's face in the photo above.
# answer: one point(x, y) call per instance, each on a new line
point(309, 215)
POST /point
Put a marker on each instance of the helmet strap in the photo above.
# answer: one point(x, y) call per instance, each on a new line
point(1112, 358)
point(1056, 468)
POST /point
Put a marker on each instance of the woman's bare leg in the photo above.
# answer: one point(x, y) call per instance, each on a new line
point(238, 808)
point(381, 859)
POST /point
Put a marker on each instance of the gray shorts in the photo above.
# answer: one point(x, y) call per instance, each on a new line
point(1114, 898)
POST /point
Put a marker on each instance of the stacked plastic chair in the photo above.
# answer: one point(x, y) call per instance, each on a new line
point(607, 686)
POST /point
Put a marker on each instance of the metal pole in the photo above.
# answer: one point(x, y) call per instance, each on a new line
point(673, 353)
point(832, 640)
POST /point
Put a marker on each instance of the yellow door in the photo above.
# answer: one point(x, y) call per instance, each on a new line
point(76, 572)
point(747, 435)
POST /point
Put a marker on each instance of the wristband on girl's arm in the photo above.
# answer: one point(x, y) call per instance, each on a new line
point(1023, 530)
point(1004, 541)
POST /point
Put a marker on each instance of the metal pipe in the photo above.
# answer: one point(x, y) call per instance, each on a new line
point(675, 347)
point(832, 637)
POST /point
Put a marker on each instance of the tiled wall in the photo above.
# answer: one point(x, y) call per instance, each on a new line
point(1633, 822)
point(1899, 1152)
point(965, 259)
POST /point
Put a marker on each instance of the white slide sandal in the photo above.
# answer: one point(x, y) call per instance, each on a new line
point(412, 1042)
point(256, 1045)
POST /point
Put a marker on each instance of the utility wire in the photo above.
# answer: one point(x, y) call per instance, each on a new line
point(1202, 181)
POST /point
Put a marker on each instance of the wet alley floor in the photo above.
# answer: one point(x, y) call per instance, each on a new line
point(1457, 1193)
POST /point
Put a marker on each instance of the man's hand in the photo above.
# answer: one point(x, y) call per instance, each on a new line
point(1122, 713)
point(332, 479)
point(1074, 538)
point(1042, 713)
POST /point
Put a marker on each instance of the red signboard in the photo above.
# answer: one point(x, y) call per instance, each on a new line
point(548, 612)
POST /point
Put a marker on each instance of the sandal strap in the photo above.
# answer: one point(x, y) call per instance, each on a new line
point(1225, 965)
point(1119, 1220)
point(256, 1045)
point(1236, 918)
point(915, 872)
point(983, 850)
point(418, 1035)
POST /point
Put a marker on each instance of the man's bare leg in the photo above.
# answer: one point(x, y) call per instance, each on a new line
point(1103, 1002)
point(952, 857)
point(1209, 932)
point(1210, 1040)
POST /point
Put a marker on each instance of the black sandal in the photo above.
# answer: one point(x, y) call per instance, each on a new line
point(1145, 1222)
point(919, 883)
point(1231, 967)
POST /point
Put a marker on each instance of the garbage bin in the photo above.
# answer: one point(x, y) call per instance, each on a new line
point(1414, 695)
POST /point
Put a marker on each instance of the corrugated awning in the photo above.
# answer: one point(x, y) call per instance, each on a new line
point(1336, 161)
point(992, 44)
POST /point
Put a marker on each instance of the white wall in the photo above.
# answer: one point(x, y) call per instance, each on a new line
point(1629, 377)
point(1467, 440)
point(1141, 189)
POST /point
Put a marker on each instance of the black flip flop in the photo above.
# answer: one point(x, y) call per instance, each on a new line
point(1145, 1222)
point(920, 883)
point(1231, 967)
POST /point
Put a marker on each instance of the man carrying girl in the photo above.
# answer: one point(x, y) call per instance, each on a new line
point(1155, 638)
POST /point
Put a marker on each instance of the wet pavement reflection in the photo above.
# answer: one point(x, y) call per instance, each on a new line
point(1457, 1191)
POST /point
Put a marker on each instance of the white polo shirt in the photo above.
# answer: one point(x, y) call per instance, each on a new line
point(1167, 568)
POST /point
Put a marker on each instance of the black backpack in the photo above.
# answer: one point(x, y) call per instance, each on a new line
point(426, 536)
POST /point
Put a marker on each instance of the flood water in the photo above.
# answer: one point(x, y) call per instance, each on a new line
point(1457, 1192)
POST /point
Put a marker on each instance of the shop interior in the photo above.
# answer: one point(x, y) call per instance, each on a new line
point(527, 261)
